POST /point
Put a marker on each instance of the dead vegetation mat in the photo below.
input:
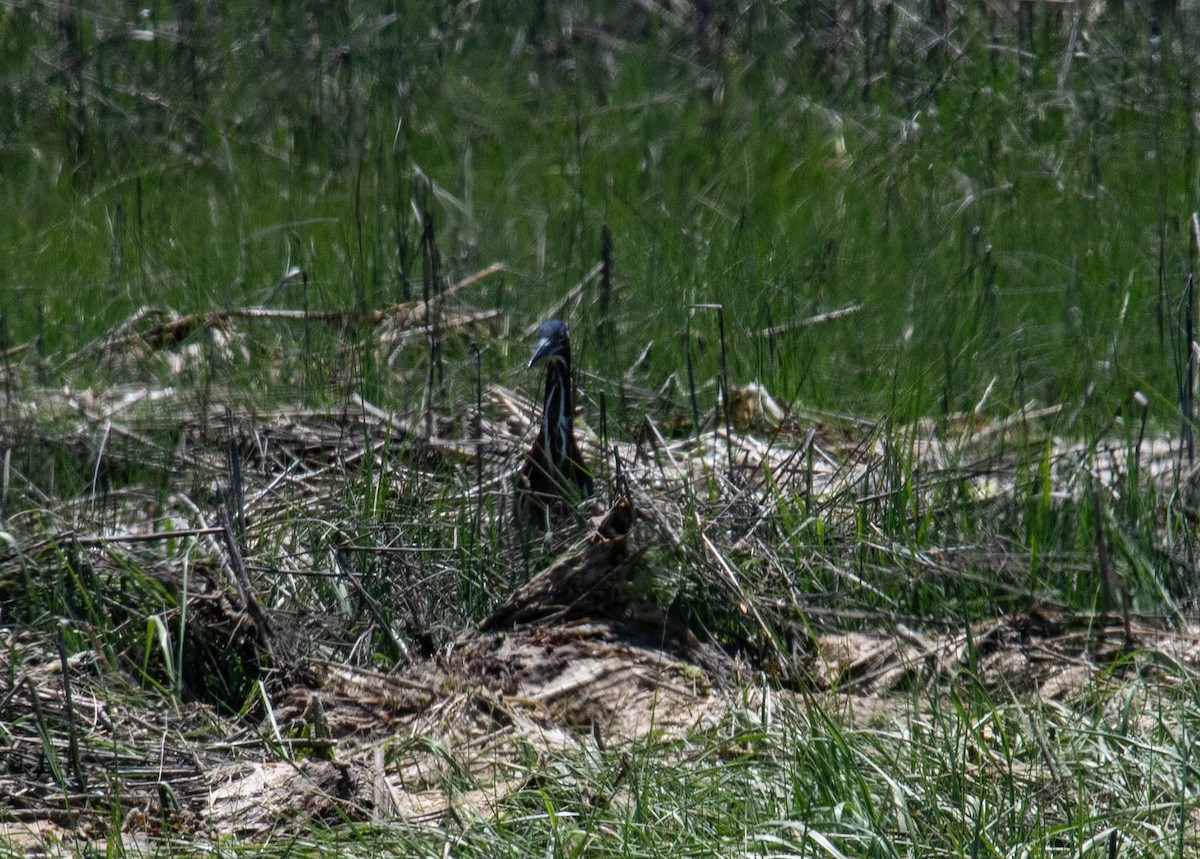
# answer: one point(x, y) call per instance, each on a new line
point(191, 642)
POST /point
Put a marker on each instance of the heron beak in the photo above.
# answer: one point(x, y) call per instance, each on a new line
point(544, 347)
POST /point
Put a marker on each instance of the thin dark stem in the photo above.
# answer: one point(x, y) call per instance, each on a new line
point(69, 713)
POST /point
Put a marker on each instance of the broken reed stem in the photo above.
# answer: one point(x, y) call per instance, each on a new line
point(70, 25)
point(431, 295)
point(1186, 392)
point(236, 500)
point(605, 327)
point(309, 376)
point(691, 376)
point(603, 423)
point(772, 330)
point(206, 365)
point(69, 712)
point(477, 429)
point(724, 377)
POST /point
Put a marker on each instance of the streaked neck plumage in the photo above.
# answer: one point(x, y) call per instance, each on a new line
point(558, 412)
point(554, 467)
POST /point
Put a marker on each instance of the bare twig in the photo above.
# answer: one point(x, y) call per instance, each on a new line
point(811, 320)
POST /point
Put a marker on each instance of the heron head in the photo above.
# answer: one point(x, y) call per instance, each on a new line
point(553, 342)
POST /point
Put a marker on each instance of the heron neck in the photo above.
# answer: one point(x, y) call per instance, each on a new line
point(558, 412)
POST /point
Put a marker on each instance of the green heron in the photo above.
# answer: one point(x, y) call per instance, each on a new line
point(554, 469)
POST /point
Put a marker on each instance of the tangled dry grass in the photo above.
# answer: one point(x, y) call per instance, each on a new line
point(203, 653)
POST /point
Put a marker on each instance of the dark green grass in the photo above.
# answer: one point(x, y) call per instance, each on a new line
point(1006, 206)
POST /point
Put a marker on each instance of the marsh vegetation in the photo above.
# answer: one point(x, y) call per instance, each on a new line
point(884, 317)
